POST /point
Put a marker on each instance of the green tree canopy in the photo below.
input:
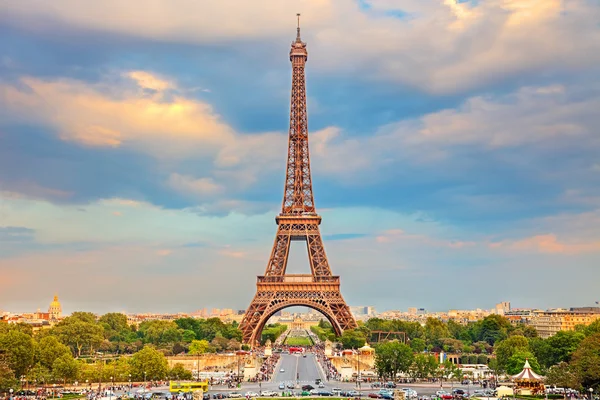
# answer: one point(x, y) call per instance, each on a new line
point(179, 372)
point(435, 331)
point(515, 363)
point(417, 344)
point(20, 350)
point(506, 348)
point(586, 361)
point(392, 358)
point(352, 339)
point(79, 331)
point(7, 378)
point(65, 368)
point(199, 347)
point(49, 349)
point(149, 361)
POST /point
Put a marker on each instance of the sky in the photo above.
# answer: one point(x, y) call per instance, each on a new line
point(454, 145)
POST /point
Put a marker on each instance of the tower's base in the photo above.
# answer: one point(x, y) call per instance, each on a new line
point(274, 293)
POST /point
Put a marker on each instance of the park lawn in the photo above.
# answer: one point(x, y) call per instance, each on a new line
point(299, 341)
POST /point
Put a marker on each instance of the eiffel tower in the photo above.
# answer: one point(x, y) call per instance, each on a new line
point(298, 220)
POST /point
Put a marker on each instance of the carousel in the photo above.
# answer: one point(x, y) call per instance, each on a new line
point(528, 382)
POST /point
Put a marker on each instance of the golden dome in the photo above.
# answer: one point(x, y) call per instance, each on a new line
point(55, 308)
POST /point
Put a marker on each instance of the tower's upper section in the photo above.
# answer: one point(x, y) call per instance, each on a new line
point(298, 51)
point(298, 196)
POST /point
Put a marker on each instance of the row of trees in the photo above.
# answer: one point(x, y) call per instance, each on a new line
point(111, 333)
point(43, 360)
point(568, 359)
point(59, 353)
point(392, 358)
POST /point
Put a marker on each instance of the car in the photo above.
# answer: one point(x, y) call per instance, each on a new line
point(325, 393)
point(235, 395)
point(251, 394)
point(317, 381)
point(374, 395)
point(305, 393)
point(268, 393)
point(290, 385)
point(219, 396)
point(314, 392)
point(354, 393)
point(206, 396)
point(387, 396)
point(321, 385)
point(281, 386)
point(336, 391)
point(376, 385)
point(304, 355)
point(390, 385)
point(282, 370)
point(307, 387)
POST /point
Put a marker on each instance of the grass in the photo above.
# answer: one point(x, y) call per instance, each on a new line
point(298, 341)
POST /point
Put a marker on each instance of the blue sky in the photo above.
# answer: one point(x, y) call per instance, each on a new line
point(455, 150)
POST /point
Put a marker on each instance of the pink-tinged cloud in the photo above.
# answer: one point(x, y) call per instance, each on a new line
point(548, 243)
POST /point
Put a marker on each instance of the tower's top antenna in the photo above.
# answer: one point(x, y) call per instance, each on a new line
point(298, 29)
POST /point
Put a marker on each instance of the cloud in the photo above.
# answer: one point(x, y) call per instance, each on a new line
point(16, 234)
point(113, 114)
point(199, 187)
point(437, 46)
point(548, 243)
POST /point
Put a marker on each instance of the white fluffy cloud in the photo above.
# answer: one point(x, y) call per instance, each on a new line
point(438, 46)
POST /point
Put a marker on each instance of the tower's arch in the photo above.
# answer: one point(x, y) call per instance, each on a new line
point(264, 318)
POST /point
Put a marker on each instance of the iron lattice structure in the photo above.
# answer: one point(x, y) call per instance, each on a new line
point(298, 220)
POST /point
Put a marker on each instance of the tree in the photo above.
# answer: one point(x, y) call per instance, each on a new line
point(556, 348)
point(199, 347)
point(515, 363)
point(563, 375)
point(392, 358)
point(491, 329)
point(160, 332)
point(19, 348)
point(65, 367)
point(115, 325)
point(7, 378)
point(78, 332)
point(84, 316)
point(49, 349)
point(220, 343)
point(352, 339)
point(149, 361)
point(435, 331)
point(506, 348)
point(586, 361)
point(417, 344)
point(424, 365)
point(179, 372)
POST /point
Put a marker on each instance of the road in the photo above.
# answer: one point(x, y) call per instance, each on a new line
point(297, 368)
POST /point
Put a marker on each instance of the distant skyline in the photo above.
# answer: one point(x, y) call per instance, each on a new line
point(454, 147)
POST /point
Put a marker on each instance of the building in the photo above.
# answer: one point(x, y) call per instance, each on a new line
point(55, 309)
point(550, 322)
point(503, 307)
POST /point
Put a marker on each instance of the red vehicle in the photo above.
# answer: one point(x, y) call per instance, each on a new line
point(296, 350)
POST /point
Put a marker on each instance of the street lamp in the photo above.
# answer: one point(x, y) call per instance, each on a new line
point(112, 385)
point(129, 382)
point(591, 393)
point(144, 381)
